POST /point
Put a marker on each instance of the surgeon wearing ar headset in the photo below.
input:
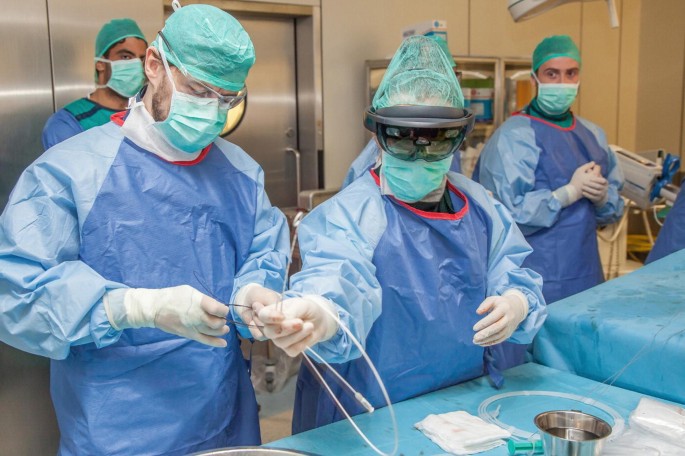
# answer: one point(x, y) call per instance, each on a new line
point(370, 154)
point(420, 263)
point(119, 53)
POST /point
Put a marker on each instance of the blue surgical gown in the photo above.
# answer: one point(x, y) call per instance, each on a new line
point(407, 284)
point(76, 117)
point(98, 213)
point(367, 160)
point(672, 235)
point(524, 161)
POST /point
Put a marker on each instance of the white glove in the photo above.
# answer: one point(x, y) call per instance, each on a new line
point(304, 322)
point(505, 313)
point(181, 310)
point(249, 301)
point(596, 188)
point(573, 191)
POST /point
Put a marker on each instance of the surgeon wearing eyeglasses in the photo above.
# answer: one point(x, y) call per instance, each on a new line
point(420, 263)
point(119, 50)
point(121, 248)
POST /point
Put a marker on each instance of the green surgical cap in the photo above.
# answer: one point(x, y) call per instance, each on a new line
point(211, 44)
point(419, 74)
point(115, 31)
point(443, 45)
point(553, 47)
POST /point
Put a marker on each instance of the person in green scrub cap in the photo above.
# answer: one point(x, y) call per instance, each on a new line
point(555, 173)
point(119, 50)
point(370, 155)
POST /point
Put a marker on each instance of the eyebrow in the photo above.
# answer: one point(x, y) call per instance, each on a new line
point(125, 52)
point(565, 70)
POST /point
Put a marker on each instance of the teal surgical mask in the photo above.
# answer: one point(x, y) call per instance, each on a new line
point(193, 122)
point(556, 99)
point(127, 76)
point(411, 181)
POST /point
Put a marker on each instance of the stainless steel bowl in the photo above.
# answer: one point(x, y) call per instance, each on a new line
point(572, 433)
point(252, 451)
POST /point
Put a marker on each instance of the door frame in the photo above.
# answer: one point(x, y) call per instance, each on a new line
point(308, 70)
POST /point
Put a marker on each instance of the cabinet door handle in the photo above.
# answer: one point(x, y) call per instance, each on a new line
point(298, 177)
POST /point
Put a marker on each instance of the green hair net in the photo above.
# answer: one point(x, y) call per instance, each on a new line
point(115, 31)
point(553, 47)
point(443, 45)
point(419, 74)
point(211, 44)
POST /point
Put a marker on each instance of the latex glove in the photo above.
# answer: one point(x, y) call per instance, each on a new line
point(596, 170)
point(249, 301)
point(181, 310)
point(596, 188)
point(573, 191)
point(303, 323)
point(505, 313)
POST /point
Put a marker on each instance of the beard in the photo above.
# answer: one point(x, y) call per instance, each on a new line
point(158, 111)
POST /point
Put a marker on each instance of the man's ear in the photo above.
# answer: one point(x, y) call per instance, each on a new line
point(100, 68)
point(154, 67)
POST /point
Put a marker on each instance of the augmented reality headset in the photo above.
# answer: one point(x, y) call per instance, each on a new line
point(427, 133)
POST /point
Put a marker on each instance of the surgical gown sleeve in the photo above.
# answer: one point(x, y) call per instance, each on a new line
point(60, 126)
point(49, 299)
point(363, 163)
point(613, 209)
point(508, 249)
point(268, 256)
point(507, 168)
point(337, 242)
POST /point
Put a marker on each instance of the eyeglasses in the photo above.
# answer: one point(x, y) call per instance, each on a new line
point(225, 101)
point(429, 133)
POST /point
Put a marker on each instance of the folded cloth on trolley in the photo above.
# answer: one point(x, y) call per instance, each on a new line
point(462, 433)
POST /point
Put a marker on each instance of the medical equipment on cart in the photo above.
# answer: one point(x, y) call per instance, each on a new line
point(648, 182)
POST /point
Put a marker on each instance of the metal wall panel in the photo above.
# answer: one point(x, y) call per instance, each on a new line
point(25, 87)
point(27, 420)
point(73, 28)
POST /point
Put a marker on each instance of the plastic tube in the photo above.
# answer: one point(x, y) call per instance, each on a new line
point(358, 396)
point(616, 430)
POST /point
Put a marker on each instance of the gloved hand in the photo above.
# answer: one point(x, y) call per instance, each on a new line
point(180, 310)
point(251, 299)
point(596, 188)
point(573, 191)
point(505, 313)
point(303, 323)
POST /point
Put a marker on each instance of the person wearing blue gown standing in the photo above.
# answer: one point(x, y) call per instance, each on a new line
point(420, 263)
point(121, 247)
point(555, 173)
point(119, 49)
